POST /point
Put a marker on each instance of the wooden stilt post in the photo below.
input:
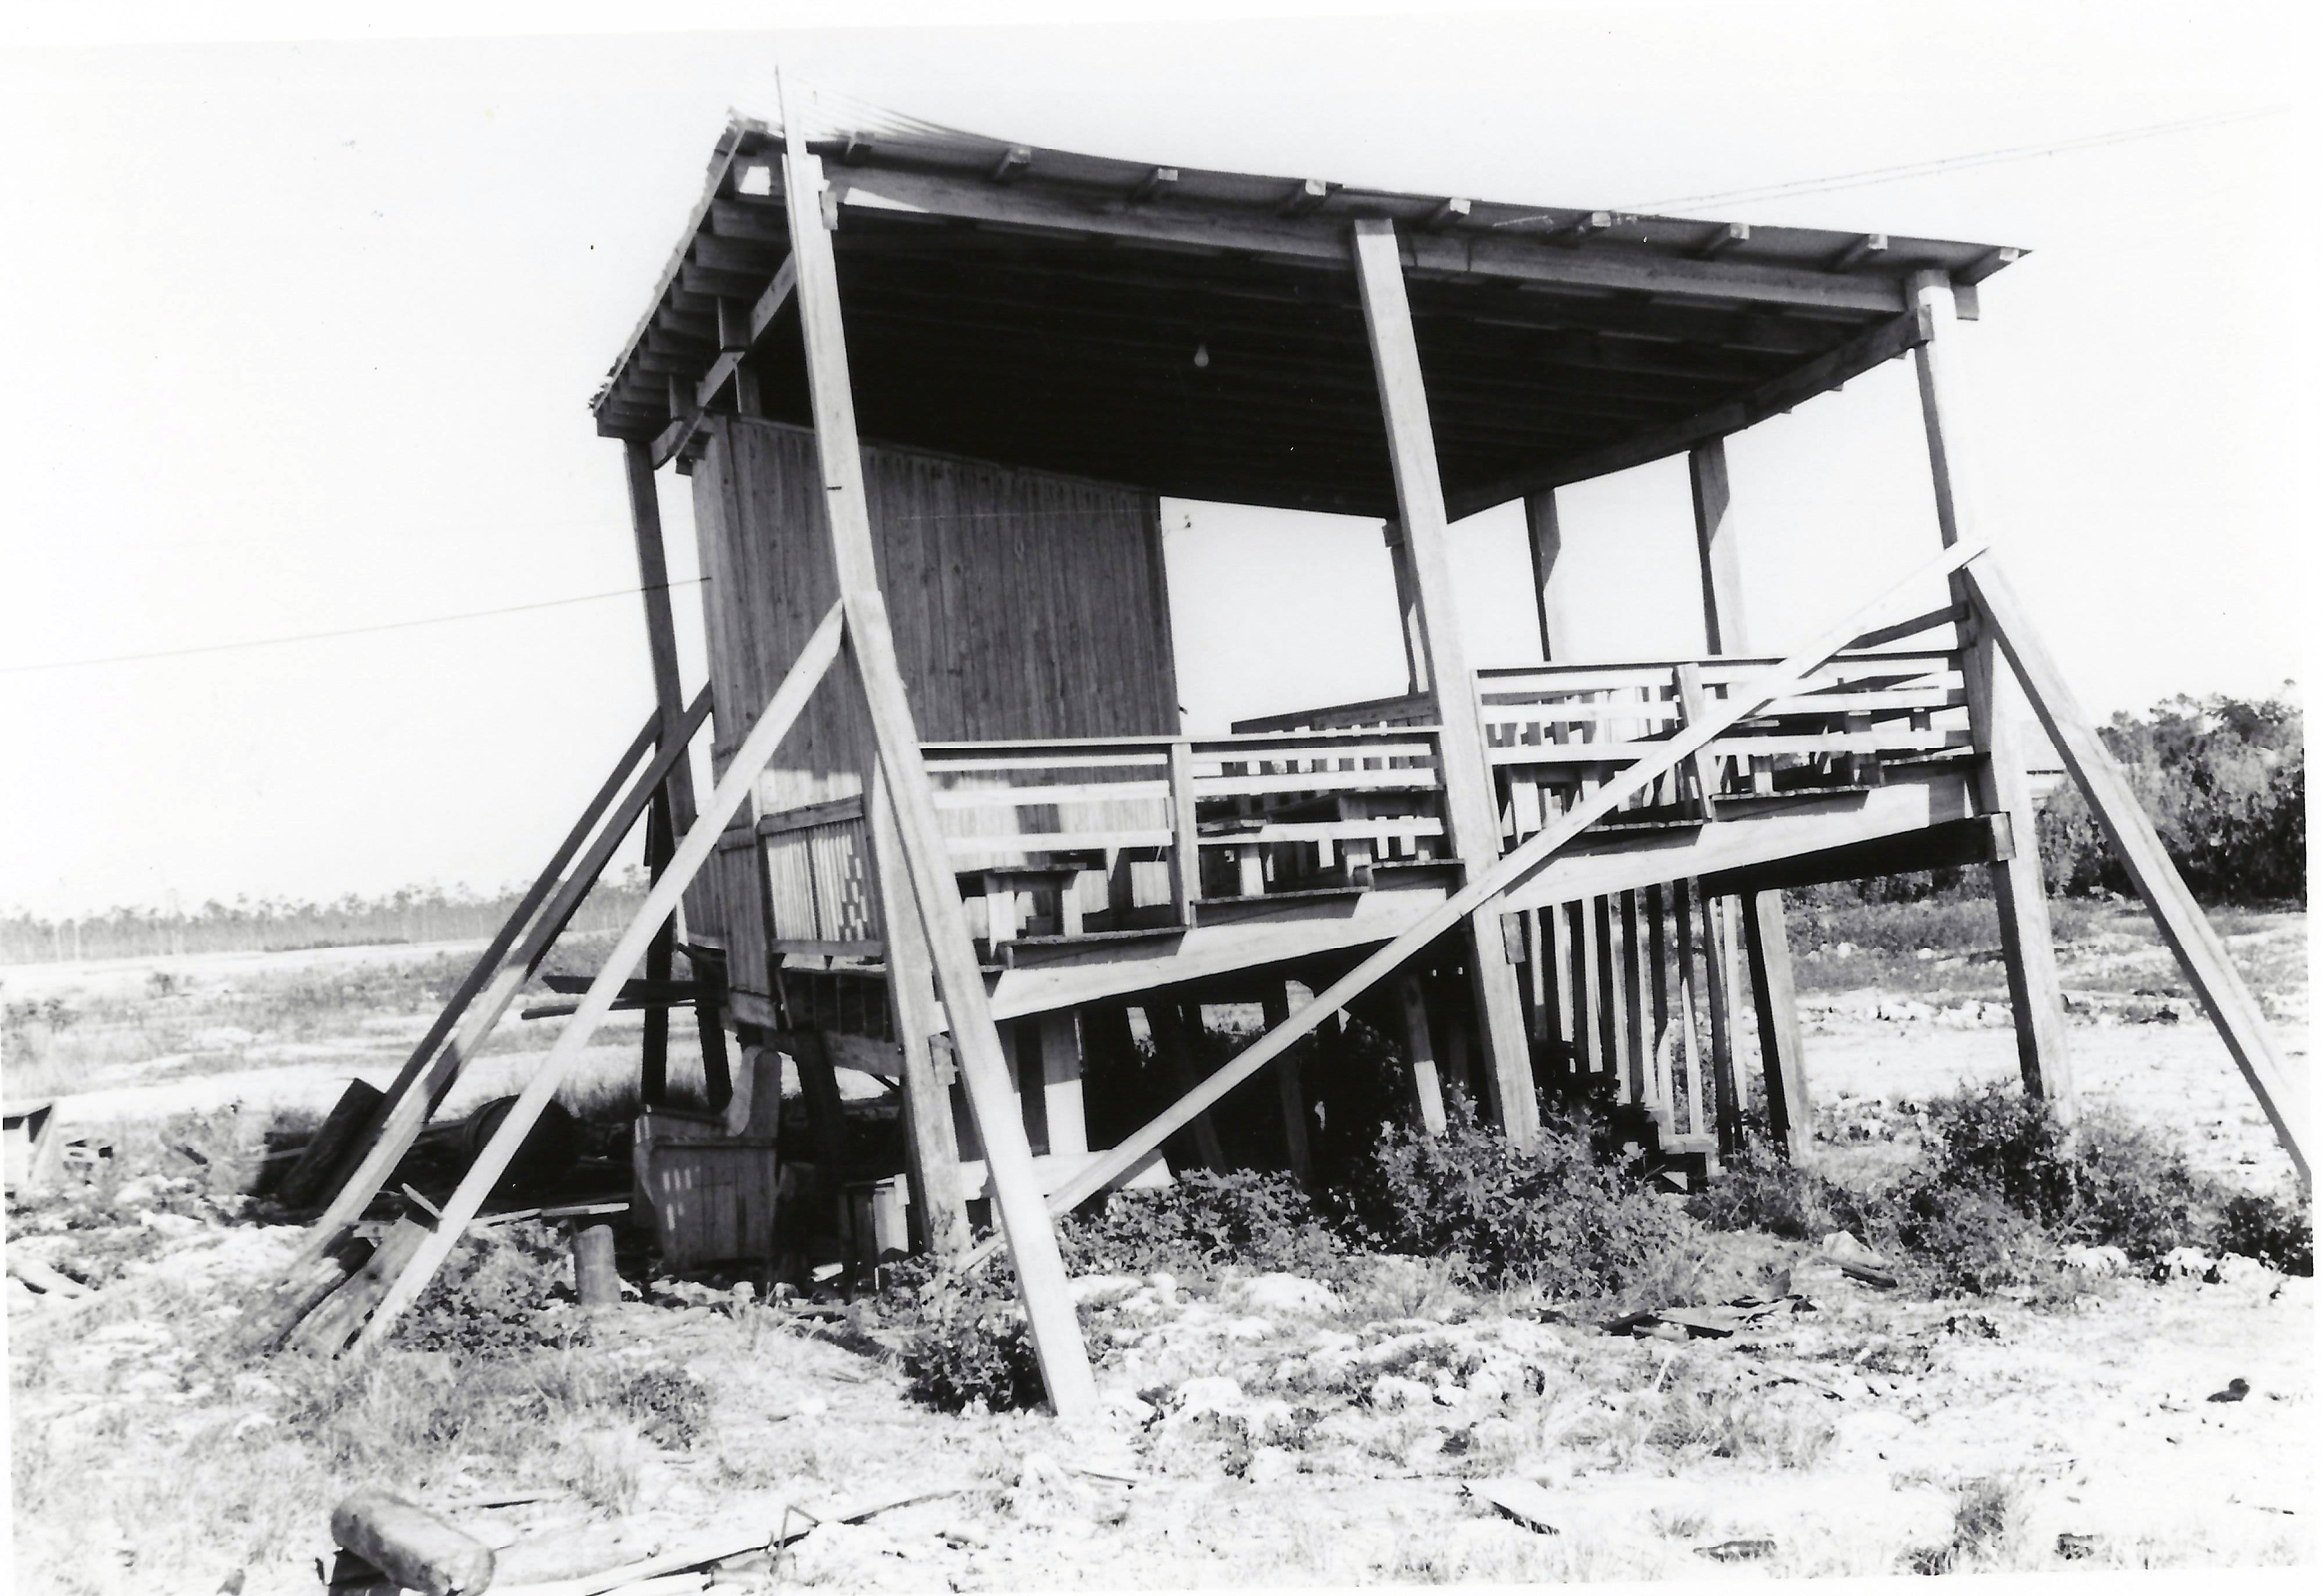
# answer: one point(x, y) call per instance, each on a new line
point(1726, 632)
point(1771, 986)
point(937, 1195)
point(1409, 606)
point(1291, 1087)
point(1172, 1043)
point(461, 1207)
point(1639, 1032)
point(1061, 1091)
point(2026, 940)
point(1044, 1291)
point(1472, 818)
point(660, 964)
point(1716, 958)
point(2231, 1007)
point(1418, 1050)
point(1550, 583)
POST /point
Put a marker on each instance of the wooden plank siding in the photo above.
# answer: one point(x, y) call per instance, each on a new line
point(1025, 604)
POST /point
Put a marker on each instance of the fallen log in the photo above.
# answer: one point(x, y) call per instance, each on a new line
point(413, 1546)
point(271, 1322)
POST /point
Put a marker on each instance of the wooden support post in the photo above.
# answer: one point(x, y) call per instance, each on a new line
point(1059, 1081)
point(1173, 1042)
point(780, 713)
point(595, 1279)
point(1640, 1033)
point(1553, 958)
point(1787, 1106)
point(2026, 940)
point(660, 958)
point(1551, 586)
point(1418, 1051)
point(1720, 555)
point(1017, 1037)
point(661, 624)
point(1412, 609)
point(429, 1074)
point(938, 1200)
point(1586, 1041)
point(1716, 960)
point(1288, 1080)
point(1607, 994)
point(1044, 1291)
point(2231, 1007)
point(1472, 814)
point(1185, 848)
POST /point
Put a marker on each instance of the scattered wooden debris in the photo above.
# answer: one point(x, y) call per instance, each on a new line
point(2071, 1547)
point(414, 1547)
point(1527, 1504)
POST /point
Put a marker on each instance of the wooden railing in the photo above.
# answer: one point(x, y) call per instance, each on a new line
point(1132, 833)
point(1572, 726)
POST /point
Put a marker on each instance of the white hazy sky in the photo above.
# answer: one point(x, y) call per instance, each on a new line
point(298, 337)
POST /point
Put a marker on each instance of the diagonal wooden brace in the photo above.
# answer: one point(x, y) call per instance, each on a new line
point(2209, 969)
point(1510, 872)
point(781, 711)
point(430, 1075)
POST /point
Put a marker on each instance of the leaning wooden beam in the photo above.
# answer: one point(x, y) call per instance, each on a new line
point(1510, 872)
point(303, 1176)
point(407, 1115)
point(781, 711)
point(2231, 1007)
point(1471, 810)
point(1849, 361)
point(1045, 1290)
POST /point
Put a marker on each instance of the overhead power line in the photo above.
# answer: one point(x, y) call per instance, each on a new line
point(1871, 176)
point(219, 648)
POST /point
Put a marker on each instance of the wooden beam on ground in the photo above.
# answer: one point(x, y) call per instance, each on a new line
point(2231, 1007)
point(2017, 883)
point(1511, 870)
point(1471, 815)
point(430, 1073)
point(773, 724)
point(1045, 1293)
point(1849, 361)
point(938, 1197)
point(1773, 989)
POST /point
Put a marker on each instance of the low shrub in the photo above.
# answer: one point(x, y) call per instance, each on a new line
point(1965, 1239)
point(1553, 1217)
point(2105, 1182)
point(1758, 1191)
point(964, 1342)
point(2273, 1230)
point(669, 1406)
point(503, 1292)
point(1201, 1222)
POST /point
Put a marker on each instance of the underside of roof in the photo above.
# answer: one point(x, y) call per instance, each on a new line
point(1201, 333)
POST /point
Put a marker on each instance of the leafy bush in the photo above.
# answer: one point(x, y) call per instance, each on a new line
point(1759, 1191)
point(1966, 1238)
point(964, 1339)
point(2274, 1230)
point(671, 1407)
point(501, 1292)
point(2105, 1182)
point(1204, 1220)
point(2224, 781)
point(1552, 1217)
